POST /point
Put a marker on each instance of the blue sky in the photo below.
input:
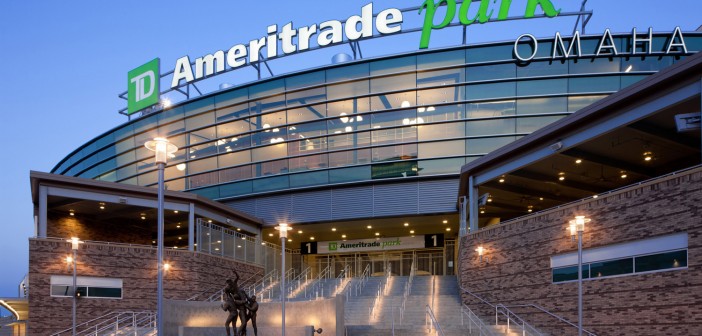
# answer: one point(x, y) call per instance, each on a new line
point(64, 62)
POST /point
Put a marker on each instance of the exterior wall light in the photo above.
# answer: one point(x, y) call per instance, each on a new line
point(481, 252)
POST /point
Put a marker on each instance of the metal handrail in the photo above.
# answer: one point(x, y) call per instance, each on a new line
point(511, 316)
point(543, 310)
point(430, 319)
point(109, 321)
point(296, 282)
point(317, 283)
point(407, 292)
point(474, 319)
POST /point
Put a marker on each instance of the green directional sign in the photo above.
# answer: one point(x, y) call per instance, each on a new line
point(143, 84)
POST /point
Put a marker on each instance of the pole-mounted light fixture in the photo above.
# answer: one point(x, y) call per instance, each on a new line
point(75, 244)
point(162, 149)
point(283, 229)
point(577, 227)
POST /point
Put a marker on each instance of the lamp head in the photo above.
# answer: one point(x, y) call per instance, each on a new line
point(283, 229)
point(75, 242)
point(162, 148)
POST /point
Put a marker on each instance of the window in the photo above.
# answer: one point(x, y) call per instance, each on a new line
point(90, 287)
point(649, 255)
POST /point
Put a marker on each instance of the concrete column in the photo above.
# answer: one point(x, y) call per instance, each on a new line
point(191, 228)
point(43, 209)
point(473, 204)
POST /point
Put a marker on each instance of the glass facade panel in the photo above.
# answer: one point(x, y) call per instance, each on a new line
point(593, 84)
point(235, 189)
point(441, 59)
point(569, 273)
point(441, 77)
point(394, 135)
point(270, 168)
point(310, 162)
point(397, 152)
point(491, 53)
point(232, 112)
point(486, 145)
point(230, 98)
point(350, 174)
point(271, 135)
point(392, 101)
point(491, 127)
point(198, 106)
point(235, 174)
point(235, 158)
point(203, 180)
point(493, 71)
point(439, 96)
point(441, 149)
point(268, 104)
point(307, 113)
point(594, 65)
point(628, 80)
point(528, 125)
point(575, 103)
point(542, 68)
point(393, 83)
point(276, 151)
point(440, 113)
point(305, 80)
point(440, 166)
point(307, 146)
point(542, 105)
point(309, 179)
point(308, 130)
point(394, 170)
point(309, 96)
point(394, 118)
point(661, 261)
point(441, 131)
point(348, 72)
point(542, 87)
point(266, 89)
point(348, 90)
point(271, 183)
point(393, 65)
point(348, 158)
point(233, 128)
point(351, 106)
point(491, 109)
point(491, 90)
point(351, 140)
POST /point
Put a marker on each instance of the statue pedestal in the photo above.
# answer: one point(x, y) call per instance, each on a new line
point(262, 331)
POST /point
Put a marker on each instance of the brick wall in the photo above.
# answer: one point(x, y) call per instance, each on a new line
point(191, 273)
point(60, 225)
point(518, 268)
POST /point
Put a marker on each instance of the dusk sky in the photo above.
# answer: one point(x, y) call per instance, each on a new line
point(65, 62)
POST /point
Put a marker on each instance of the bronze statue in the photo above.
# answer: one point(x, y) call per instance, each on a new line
point(252, 307)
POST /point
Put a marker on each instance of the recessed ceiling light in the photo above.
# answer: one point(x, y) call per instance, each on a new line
point(71, 212)
point(311, 238)
point(333, 229)
point(289, 240)
point(578, 161)
point(299, 231)
point(178, 226)
point(377, 233)
point(175, 211)
point(270, 235)
point(623, 174)
point(561, 176)
point(648, 156)
point(406, 224)
point(445, 221)
point(369, 227)
point(411, 231)
point(180, 238)
point(448, 229)
point(219, 242)
point(102, 206)
point(343, 236)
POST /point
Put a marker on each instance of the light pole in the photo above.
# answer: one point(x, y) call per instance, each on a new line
point(162, 149)
point(283, 229)
point(75, 242)
point(577, 225)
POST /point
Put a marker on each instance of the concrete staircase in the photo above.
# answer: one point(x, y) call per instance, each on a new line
point(440, 291)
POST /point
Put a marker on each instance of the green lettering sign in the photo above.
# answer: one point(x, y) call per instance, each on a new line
point(332, 247)
point(429, 8)
point(143, 86)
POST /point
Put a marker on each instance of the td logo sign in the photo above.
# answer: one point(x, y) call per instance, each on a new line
point(143, 84)
point(333, 246)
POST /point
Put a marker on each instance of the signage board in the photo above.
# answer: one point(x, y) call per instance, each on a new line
point(373, 244)
point(143, 86)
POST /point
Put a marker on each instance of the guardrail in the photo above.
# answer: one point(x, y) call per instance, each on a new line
point(431, 322)
point(474, 321)
point(512, 319)
point(544, 311)
point(115, 322)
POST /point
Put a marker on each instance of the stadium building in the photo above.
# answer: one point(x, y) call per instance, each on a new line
point(362, 157)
